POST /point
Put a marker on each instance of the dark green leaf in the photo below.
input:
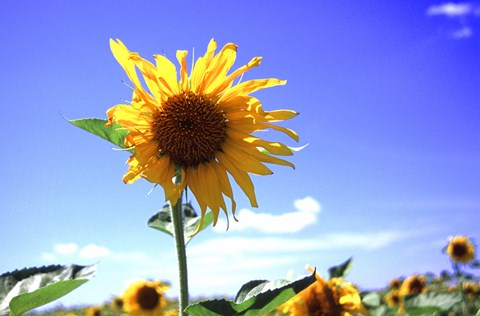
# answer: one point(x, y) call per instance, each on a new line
point(24, 290)
point(341, 270)
point(163, 221)
point(114, 134)
point(475, 264)
point(254, 298)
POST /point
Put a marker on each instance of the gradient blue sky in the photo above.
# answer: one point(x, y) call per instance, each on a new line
point(389, 102)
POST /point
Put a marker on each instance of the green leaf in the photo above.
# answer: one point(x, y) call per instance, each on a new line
point(371, 299)
point(254, 298)
point(24, 290)
point(341, 270)
point(163, 221)
point(475, 264)
point(434, 301)
point(114, 134)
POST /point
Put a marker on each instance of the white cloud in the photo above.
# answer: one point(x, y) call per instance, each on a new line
point(65, 249)
point(464, 32)
point(307, 204)
point(451, 9)
point(292, 222)
point(336, 241)
point(94, 251)
point(48, 256)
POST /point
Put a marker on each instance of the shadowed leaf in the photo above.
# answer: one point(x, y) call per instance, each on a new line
point(341, 270)
point(254, 298)
point(163, 221)
point(24, 290)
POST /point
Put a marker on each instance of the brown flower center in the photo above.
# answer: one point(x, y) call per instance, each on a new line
point(189, 128)
point(148, 298)
point(322, 302)
point(459, 250)
point(416, 286)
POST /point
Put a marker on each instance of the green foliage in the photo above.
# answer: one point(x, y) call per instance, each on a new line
point(114, 134)
point(24, 290)
point(254, 298)
point(163, 221)
point(341, 270)
point(431, 301)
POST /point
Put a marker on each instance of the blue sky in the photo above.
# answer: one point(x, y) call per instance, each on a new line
point(388, 95)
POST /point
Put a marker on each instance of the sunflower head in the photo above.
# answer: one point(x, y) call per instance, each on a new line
point(145, 298)
point(393, 298)
point(117, 304)
point(471, 289)
point(460, 249)
point(395, 284)
point(335, 297)
point(414, 284)
point(94, 311)
point(199, 129)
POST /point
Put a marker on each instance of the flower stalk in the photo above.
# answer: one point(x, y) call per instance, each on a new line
point(178, 236)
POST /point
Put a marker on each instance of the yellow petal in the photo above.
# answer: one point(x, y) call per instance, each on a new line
point(241, 178)
point(254, 152)
point(181, 57)
point(168, 81)
point(244, 161)
point(217, 70)
point(250, 86)
point(280, 115)
point(122, 55)
point(129, 117)
point(227, 82)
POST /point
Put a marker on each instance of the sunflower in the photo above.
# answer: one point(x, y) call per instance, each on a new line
point(471, 289)
point(393, 298)
point(414, 284)
point(198, 128)
point(395, 284)
point(145, 298)
point(460, 249)
point(117, 303)
point(94, 311)
point(334, 297)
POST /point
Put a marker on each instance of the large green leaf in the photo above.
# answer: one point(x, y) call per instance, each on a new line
point(163, 221)
point(114, 134)
point(254, 298)
point(341, 270)
point(430, 302)
point(24, 290)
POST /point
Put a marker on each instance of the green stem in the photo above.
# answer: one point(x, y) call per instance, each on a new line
point(177, 220)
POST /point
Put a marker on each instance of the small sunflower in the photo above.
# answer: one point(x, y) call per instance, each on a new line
point(117, 304)
point(334, 297)
point(94, 311)
point(414, 284)
point(200, 127)
point(145, 298)
point(460, 249)
point(393, 298)
point(471, 289)
point(395, 284)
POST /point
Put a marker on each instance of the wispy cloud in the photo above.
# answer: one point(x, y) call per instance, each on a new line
point(291, 222)
point(346, 240)
point(225, 263)
point(65, 249)
point(461, 12)
point(451, 9)
point(94, 252)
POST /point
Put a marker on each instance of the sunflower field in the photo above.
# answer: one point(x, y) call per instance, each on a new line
point(198, 132)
